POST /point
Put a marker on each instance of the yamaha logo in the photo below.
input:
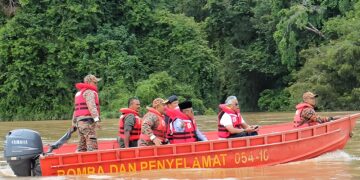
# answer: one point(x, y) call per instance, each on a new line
point(19, 141)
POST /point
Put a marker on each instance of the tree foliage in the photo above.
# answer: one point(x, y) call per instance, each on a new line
point(48, 46)
point(267, 53)
point(332, 68)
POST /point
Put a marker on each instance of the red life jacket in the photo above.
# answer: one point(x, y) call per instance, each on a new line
point(188, 135)
point(81, 108)
point(297, 118)
point(136, 130)
point(235, 117)
point(170, 115)
point(160, 131)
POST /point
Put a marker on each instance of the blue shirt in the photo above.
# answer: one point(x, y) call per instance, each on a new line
point(179, 127)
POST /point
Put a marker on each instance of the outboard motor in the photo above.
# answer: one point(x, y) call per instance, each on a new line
point(22, 149)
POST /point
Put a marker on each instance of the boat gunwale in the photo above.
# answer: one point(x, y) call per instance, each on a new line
point(194, 153)
point(215, 140)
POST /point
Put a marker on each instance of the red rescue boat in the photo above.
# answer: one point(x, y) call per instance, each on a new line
point(275, 144)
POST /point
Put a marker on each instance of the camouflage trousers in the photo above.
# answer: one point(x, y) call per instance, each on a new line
point(87, 136)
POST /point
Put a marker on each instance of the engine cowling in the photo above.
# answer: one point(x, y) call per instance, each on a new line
point(21, 150)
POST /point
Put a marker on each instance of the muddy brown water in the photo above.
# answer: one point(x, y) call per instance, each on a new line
point(342, 164)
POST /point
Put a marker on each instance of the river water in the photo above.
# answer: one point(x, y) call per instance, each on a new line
point(344, 164)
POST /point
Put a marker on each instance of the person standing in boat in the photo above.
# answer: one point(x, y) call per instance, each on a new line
point(130, 124)
point(230, 122)
point(153, 127)
point(305, 112)
point(183, 128)
point(86, 116)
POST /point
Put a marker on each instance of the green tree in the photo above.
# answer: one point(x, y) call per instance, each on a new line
point(242, 34)
point(301, 26)
point(176, 44)
point(331, 70)
point(163, 85)
point(48, 46)
point(42, 63)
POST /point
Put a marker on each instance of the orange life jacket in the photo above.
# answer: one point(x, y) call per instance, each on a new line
point(297, 118)
point(235, 117)
point(188, 135)
point(81, 108)
point(160, 131)
point(136, 130)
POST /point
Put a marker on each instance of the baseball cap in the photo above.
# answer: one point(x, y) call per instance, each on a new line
point(309, 94)
point(158, 101)
point(172, 99)
point(89, 78)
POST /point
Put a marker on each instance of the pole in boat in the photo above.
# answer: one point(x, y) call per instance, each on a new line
point(62, 140)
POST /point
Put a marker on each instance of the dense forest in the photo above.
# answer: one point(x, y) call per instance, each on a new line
point(266, 52)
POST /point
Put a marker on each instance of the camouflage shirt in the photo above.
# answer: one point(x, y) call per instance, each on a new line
point(150, 122)
point(309, 116)
point(89, 97)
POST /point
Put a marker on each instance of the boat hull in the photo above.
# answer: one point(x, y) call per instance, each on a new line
point(275, 145)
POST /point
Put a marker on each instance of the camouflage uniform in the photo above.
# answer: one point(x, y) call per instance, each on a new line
point(87, 135)
point(86, 125)
point(150, 122)
point(309, 116)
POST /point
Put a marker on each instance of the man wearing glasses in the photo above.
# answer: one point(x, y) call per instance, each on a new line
point(86, 114)
point(230, 122)
point(305, 113)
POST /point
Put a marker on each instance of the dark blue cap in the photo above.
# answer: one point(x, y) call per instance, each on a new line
point(172, 99)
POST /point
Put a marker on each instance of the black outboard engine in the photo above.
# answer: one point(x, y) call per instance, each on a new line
point(22, 149)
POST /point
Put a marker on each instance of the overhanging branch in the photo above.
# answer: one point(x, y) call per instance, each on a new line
point(312, 28)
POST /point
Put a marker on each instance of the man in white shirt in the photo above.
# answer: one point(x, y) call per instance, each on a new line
point(230, 122)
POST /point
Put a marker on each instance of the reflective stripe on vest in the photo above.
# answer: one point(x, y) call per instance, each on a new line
point(188, 135)
point(235, 119)
point(81, 108)
point(136, 130)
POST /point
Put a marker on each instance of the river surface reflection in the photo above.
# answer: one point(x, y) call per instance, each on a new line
point(344, 164)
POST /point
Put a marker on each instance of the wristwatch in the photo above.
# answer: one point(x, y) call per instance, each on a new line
point(152, 137)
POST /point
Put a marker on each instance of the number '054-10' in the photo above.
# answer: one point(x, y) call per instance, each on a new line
point(250, 157)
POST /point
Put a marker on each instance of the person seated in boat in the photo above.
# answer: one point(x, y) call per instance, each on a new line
point(230, 122)
point(172, 103)
point(153, 127)
point(130, 124)
point(183, 128)
point(171, 108)
point(305, 113)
